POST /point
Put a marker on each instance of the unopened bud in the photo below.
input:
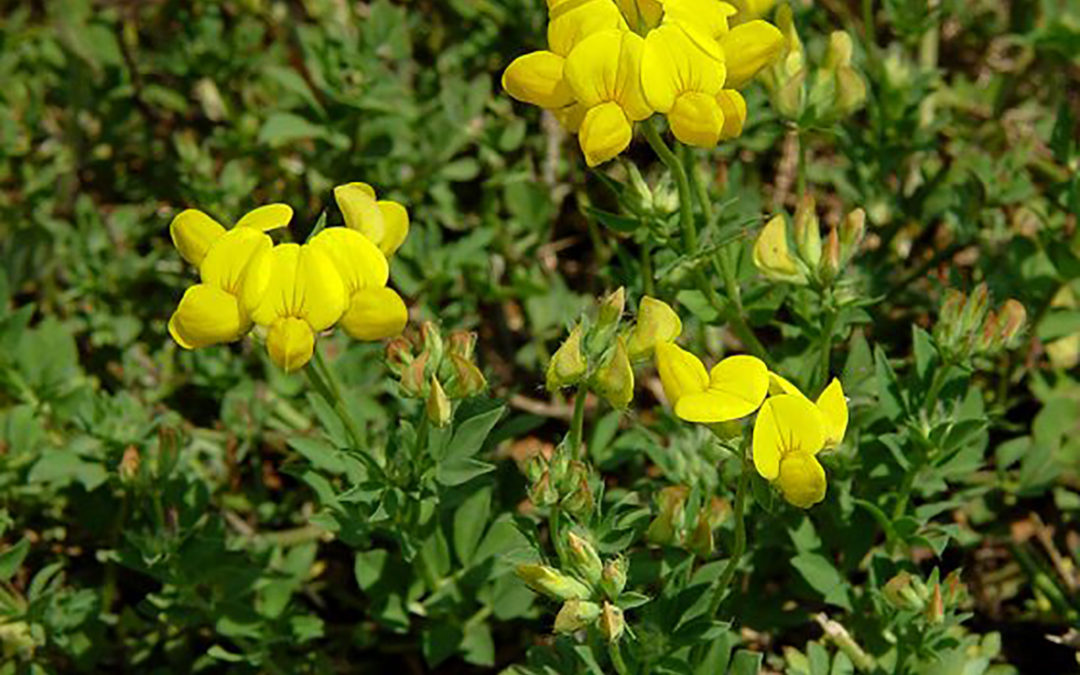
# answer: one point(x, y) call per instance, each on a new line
point(1013, 316)
point(701, 540)
point(935, 610)
point(614, 381)
point(839, 51)
point(852, 231)
point(568, 365)
point(953, 588)
point(719, 510)
point(414, 377)
point(971, 318)
point(830, 263)
point(583, 559)
point(535, 467)
point(808, 231)
point(665, 198)
point(468, 380)
point(611, 622)
point(613, 578)
point(948, 324)
point(639, 197)
point(431, 342)
point(772, 256)
point(850, 91)
point(398, 355)
point(580, 503)
point(611, 308)
point(542, 492)
point(576, 615)
point(462, 343)
point(551, 582)
point(438, 404)
point(129, 465)
point(664, 529)
point(898, 592)
point(657, 323)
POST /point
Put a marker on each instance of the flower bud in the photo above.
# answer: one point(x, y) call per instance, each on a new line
point(613, 578)
point(1013, 316)
point(129, 465)
point(838, 53)
point(614, 381)
point(551, 582)
point(437, 405)
point(431, 342)
point(808, 231)
point(718, 511)
point(576, 615)
point(639, 198)
point(611, 622)
point(665, 198)
point(611, 309)
point(852, 231)
point(657, 323)
point(583, 559)
point(671, 500)
point(947, 327)
point(414, 377)
point(542, 492)
point(850, 91)
point(830, 264)
point(568, 365)
point(701, 540)
point(974, 312)
point(580, 503)
point(771, 254)
point(535, 467)
point(467, 380)
point(463, 343)
point(398, 355)
point(935, 609)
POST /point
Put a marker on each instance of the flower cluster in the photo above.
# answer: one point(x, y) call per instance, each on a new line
point(291, 292)
point(816, 261)
point(610, 64)
point(789, 430)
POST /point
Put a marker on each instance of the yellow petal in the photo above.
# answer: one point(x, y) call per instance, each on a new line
point(295, 281)
point(681, 373)
point(193, 233)
point(748, 48)
point(784, 425)
point(834, 411)
point(696, 119)
point(570, 117)
point(705, 22)
point(604, 133)
point(375, 314)
point(537, 78)
point(734, 106)
point(641, 15)
point(592, 69)
point(226, 263)
point(742, 377)
point(672, 64)
point(771, 254)
point(751, 9)
point(359, 262)
point(395, 226)
point(657, 323)
point(290, 343)
point(779, 385)
point(628, 91)
point(801, 479)
point(269, 217)
point(361, 211)
point(572, 22)
point(207, 316)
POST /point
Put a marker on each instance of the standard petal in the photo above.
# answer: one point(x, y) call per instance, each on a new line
point(681, 373)
point(206, 316)
point(375, 314)
point(361, 210)
point(748, 48)
point(226, 263)
point(834, 411)
point(573, 21)
point(537, 78)
point(269, 217)
point(768, 443)
point(319, 296)
point(193, 233)
point(359, 262)
point(604, 133)
point(744, 378)
point(395, 226)
point(705, 22)
point(779, 385)
point(295, 281)
point(796, 424)
point(592, 69)
point(657, 323)
point(672, 64)
point(772, 255)
point(801, 479)
point(697, 119)
point(734, 106)
point(290, 343)
point(628, 92)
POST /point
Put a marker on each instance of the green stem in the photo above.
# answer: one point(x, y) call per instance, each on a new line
point(617, 659)
point(577, 424)
point(647, 268)
point(326, 382)
point(868, 23)
point(682, 184)
point(740, 531)
point(940, 376)
point(800, 172)
point(698, 186)
point(826, 340)
point(736, 314)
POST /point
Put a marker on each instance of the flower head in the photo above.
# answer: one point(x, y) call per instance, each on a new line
point(788, 434)
point(734, 388)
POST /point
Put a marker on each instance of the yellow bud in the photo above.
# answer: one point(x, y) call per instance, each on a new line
point(568, 365)
point(129, 465)
point(576, 615)
point(584, 559)
point(808, 231)
point(830, 264)
point(468, 380)
point(838, 53)
point(656, 323)
point(611, 309)
point(611, 623)
point(614, 381)
point(772, 256)
point(850, 91)
point(551, 582)
point(437, 405)
point(852, 231)
point(613, 578)
point(414, 377)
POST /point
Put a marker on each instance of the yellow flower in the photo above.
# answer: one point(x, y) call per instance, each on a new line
point(210, 312)
point(602, 72)
point(683, 81)
point(749, 48)
point(657, 323)
point(734, 388)
point(831, 404)
point(772, 256)
point(384, 222)
point(642, 15)
point(296, 291)
point(788, 434)
point(751, 9)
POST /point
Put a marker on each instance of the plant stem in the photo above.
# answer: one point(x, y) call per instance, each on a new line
point(647, 269)
point(826, 340)
point(577, 423)
point(682, 183)
point(868, 23)
point(740, 530)
point(324, 380)
point(699, 188)
point(617, 659)
point(800, 170)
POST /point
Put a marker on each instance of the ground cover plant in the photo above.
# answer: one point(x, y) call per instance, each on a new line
point(577, 336)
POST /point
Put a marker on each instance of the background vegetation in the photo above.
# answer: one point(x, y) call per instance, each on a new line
point(165, 511)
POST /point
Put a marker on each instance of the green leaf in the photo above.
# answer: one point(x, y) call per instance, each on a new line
point(439, 642)
point(925, 354)
point(823, 577)
point(470, 519)
point(614, 221)
point(221, 654)
point(478, 646)
point(746, 662)
point(368, 567)
point(459, 471)
point(12, 559)
point(470, 435)
point(321, 454)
